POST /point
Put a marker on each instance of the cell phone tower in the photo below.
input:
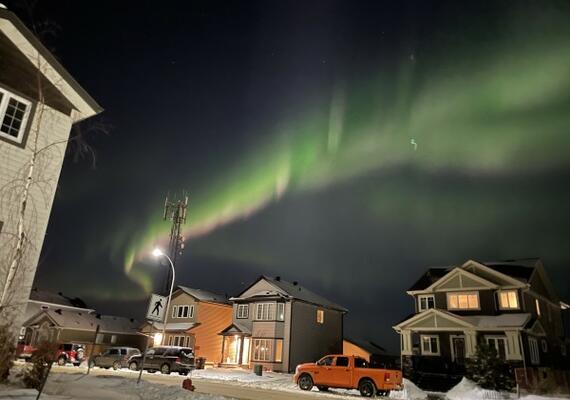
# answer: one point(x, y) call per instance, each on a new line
point(175, 211)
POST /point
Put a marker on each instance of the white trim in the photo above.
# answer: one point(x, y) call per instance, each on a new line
point(427, 297)
point(516, 283)
point(463, 293)
point(430, 352)
point(485, 284)
point(242, 311)
point(534, 351)
point(433, 311)
point(6, 96)
point(518, 300)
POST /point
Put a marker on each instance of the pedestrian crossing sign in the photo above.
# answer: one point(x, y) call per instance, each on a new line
point(156, 308)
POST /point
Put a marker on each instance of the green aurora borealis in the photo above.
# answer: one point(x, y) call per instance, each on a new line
point(500, 110)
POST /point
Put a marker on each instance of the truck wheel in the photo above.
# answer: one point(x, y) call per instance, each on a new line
point(133, 366)
point(366, 388)
point(61, 361)
point(323, 388)
point(116, 365)
point(305, 382)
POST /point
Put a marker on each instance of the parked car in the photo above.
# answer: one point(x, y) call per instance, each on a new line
point(116, 357)
point(70, 353)
point(348, 372)
point(165, 359)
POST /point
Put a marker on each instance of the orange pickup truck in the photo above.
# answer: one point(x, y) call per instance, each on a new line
point(347, 372)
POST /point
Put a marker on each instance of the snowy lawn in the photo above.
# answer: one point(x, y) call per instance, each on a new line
point(468, 390)
point(80, 386)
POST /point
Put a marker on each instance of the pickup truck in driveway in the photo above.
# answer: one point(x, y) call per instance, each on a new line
point(347, 372)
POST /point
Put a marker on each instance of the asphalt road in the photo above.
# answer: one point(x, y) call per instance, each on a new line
point(231, 390)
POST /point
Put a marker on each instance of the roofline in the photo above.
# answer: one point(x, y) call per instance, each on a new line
point(180, 287)
point(49, 57)
point(339, 308)
point(91, 310)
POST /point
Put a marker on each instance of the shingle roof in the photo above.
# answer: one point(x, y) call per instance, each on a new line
point(519, 269)
point(367, 345)
point(299, 292)
point(429, 277)
point(204, 295)
point(44, 296)
point(176, 326)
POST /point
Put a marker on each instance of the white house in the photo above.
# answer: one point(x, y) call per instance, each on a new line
point(39, 103)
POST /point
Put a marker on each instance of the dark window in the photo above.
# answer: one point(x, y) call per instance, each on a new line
point(159, 351)
point(326, 361)
point(123, 352)
point(114, 352)
point(360, 363)
point(13, 118)
point(342, 361)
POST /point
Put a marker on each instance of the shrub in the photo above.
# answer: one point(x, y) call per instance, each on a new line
point(41, 360)
point(488, 370)
point(7, 352)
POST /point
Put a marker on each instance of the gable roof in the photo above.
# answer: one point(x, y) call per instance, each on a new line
point(29, 45)
point(461, 277)
point(235, 328)
point(295, 291)
point(205, 295)
point(43, 296)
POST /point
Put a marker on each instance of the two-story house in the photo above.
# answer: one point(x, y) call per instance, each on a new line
point(510, 305)
point(281, 324)
point(39, 103)
point(194, 319)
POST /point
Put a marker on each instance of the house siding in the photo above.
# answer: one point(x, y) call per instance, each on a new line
point(212, 318)
point(310, 340)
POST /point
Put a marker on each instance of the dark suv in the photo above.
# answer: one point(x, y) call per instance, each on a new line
point(116, 357)
point(165, 359)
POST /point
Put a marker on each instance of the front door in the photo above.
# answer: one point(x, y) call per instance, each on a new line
point(458, 348)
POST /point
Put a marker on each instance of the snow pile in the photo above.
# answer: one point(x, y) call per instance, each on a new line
point(233, 375)
point(79, 386)
point(410, 392)
point(468, 390)
point(534, 397)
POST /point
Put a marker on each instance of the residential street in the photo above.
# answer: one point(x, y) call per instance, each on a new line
point(278, 387)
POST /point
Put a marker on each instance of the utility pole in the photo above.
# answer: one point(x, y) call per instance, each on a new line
point(175, 211)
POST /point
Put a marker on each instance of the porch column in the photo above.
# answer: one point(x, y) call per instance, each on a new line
point(406, 338)
point(240, 353)
point(470, 343)
point(513, 345)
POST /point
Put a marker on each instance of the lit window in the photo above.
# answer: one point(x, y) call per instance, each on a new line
point(280, 311)
point(430, 345)
point(265, 312)
point(537, 305)
point(262, 349)
point(320, 316)
point(243, 311)
point(113, 339)
point(508, 300)
point(463, 301)
point(14, 112)
point(278, 350)
point(499, 344)
point(426, 302)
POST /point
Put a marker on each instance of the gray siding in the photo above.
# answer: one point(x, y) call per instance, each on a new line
point(310, 340)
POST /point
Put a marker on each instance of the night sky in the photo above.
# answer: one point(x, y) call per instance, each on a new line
point(346, 145)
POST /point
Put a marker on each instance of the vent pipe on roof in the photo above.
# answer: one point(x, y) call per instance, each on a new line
point(295, 283)
point(278, 278)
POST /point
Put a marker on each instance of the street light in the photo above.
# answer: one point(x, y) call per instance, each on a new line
point(159, 253)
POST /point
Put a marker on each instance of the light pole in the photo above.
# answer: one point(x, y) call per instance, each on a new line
point(157, 253)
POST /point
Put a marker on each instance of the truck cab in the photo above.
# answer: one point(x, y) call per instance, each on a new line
point(348, 372)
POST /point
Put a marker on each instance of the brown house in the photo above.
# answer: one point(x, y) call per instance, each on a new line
point(509, 305)
point(194, 319)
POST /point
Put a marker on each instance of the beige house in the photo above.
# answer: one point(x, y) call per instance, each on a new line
point(279, 325)
point(194, 319)
point(30, 126)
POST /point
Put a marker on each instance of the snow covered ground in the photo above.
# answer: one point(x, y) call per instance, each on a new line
point(80, 386)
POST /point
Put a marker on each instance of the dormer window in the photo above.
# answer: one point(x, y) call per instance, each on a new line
point(463, 301)
point(425, 302)
point(508, 300)
point(14, 113)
